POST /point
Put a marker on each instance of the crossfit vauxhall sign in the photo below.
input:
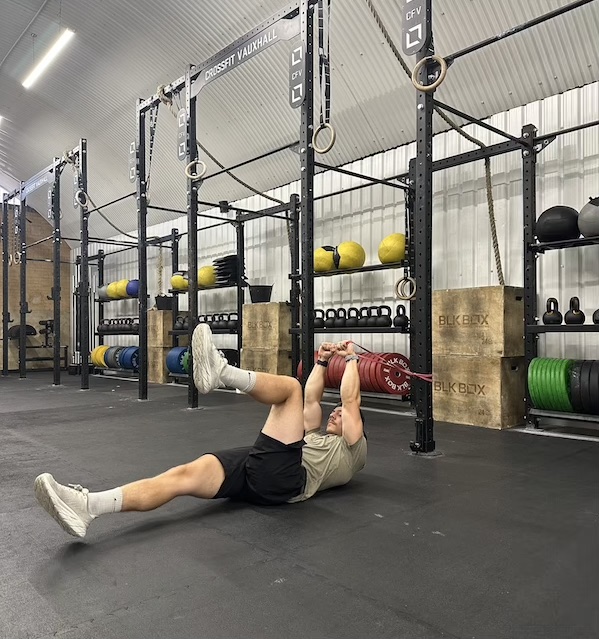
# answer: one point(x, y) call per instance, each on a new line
point(415, 26)
point(245, 49)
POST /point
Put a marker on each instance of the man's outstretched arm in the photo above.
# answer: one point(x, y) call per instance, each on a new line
point(353, 428)
point(315, 388)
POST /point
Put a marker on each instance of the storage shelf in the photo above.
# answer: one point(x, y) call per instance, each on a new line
point(563, 328)
point(577, 417)
point(132, 333)
point(363, 269)
point(215, 331)
point(206, 288)
point(121, 299)
point(541, 247)
point(356, 329)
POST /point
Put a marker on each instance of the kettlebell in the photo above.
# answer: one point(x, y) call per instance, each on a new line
point(178, 323)
point(318, 318)
point(384, 317)
point(209, 320)
point(352, 317)
point(364, 314)
point(186, 323)
point(574, 315)
point(135, 324)
point(233, 321)
point(114, 327)
point(128, 325)
point(372, 316)
point(401, 320)
point(596, 317)
point(223, 321)
point(103, 327)
point(219, 322)
point(552, 315)
point(341, 318)
point(331, 316)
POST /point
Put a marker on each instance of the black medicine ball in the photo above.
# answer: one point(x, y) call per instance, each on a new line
point(558, 223)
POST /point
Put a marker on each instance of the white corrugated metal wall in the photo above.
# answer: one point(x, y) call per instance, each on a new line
point(568, 173)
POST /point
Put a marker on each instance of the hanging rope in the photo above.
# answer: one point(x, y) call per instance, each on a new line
point(160, 270)
point(458, 129)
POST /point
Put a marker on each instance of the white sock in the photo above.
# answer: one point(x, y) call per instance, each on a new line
point(238, 378)
point(108, 501)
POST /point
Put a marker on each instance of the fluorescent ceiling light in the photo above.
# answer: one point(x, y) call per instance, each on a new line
point(45, 62)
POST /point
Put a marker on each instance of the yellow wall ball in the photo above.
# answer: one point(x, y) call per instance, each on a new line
point(179, 283)
point(393, 248)
point(121, 288)
point(112, 291)
point(323, 260)
point(351, 255)
point(207, 276)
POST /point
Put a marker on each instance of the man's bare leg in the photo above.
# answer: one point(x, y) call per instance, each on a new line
point(74, 507)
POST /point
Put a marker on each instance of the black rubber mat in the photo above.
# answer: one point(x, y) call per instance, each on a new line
point(498, 537)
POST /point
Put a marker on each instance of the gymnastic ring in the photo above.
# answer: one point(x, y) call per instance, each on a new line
point(81, 198)
point(400, 292)
point(195, 176)
point(162, 95)
point(319, 129)
point(428, 88)
point(17, 258)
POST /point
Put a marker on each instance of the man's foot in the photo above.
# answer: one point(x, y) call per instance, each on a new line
point(208, 362)
point(66, 504)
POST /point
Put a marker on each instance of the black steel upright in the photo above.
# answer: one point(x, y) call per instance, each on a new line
point(5, 283)
point(192, 225)
point(23, 306)
point(240, 233)
point(84, 282)
point(529, 203)
point(174, 268)
point(307, 190)
point(294, 293)
point(421, 342)
point(142, 252)
point(56, 288)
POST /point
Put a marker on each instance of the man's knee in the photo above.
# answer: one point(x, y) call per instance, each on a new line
point(202, 477)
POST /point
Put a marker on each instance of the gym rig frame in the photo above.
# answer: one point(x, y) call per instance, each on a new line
point(418, 181)
point(50, 175)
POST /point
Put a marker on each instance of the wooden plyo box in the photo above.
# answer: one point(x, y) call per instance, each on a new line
point(159, 325)
point(479, 391)
point(157, 370)
point(266, 360)
point(266, 325)
point(487, 321)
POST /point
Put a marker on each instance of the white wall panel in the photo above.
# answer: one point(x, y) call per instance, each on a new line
point(568, 173)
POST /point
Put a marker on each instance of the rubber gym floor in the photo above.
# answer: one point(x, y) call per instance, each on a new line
point(498, 537)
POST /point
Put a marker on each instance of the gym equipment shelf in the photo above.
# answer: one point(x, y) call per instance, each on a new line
point(175, 291)
point(563, 328)
point(541, 247)
point(355, 329)
point(215, 331)
point(363, 269)
point(136, 333)
point(578, 417)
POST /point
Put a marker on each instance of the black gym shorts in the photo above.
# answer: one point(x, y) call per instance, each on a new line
point(267, 473)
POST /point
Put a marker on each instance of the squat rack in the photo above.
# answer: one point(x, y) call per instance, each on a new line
point(429, 73)
point(50, 175)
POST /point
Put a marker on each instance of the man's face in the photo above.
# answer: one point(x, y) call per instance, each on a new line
point(334, 422)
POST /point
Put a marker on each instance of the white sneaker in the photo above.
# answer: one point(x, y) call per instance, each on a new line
point(208, 362)
point(66, 504)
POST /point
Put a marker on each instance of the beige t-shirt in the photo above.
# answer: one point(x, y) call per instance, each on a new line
point(329, 462)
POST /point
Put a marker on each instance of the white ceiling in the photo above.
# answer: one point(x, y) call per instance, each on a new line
point(123, 50)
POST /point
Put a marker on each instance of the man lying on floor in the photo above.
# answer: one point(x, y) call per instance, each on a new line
point(289, 462)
